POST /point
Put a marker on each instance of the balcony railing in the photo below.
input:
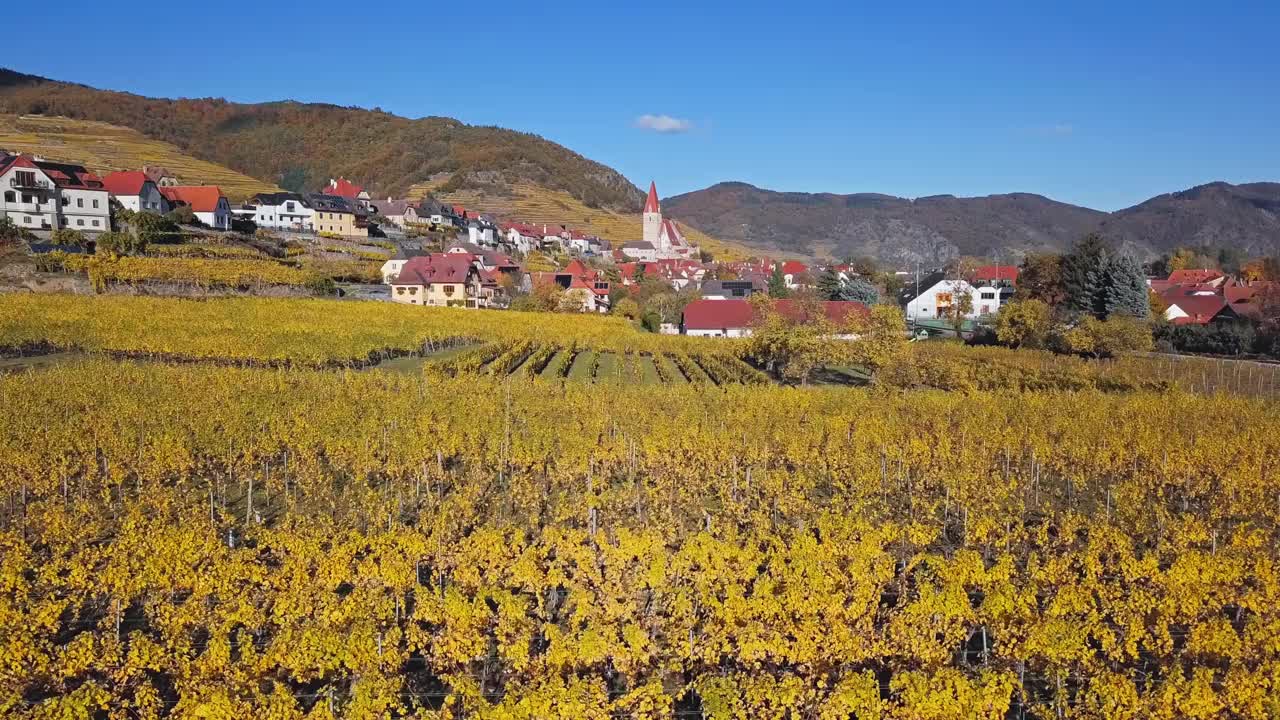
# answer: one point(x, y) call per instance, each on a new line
point(21, 182)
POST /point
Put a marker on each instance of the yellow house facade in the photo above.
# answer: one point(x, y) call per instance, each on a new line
point(336, 215)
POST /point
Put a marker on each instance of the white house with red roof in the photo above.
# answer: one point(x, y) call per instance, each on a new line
point(343, 187)
point(40, 195)
point(207, 202)
point(662, 234)
point(135, 191)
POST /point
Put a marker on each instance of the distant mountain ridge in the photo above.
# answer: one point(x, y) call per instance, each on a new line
point(932, 229)
point(300, 146)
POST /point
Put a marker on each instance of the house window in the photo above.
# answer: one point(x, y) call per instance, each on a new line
point(26, 179)
point(95, 203)
point(413, 291)
point(9, 196)
point(26, 219)
point(448, 290)
point(27, 198)
point(988, 296)
point(95, 222)
point(80, 221)
point(79, 202)
point(399, 291)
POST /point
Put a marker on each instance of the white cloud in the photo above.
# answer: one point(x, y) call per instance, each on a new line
point(663, 124)
point(1054, 130)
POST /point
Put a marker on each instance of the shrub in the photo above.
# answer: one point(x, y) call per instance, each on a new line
point(70, 237)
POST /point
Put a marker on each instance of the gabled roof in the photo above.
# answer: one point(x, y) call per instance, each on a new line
point(201, 198)
point(793, 267)
point(278, 198)
point(64, 175)
point(432, 269)
point(125, 183)
point(995, 273)
point(638, 245)
point(343, 187)
point(1179, 277)
point(390, 208)
point(330, 203)
point(1200, 309)
point(651, 203)
point(155, 173)
point(718, 314)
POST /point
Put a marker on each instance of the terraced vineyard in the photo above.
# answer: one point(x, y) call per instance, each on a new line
point(535, 204)
point(103, 147)
point(553, 362)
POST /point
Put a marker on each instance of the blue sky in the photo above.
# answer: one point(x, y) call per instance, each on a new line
point(1099, 104)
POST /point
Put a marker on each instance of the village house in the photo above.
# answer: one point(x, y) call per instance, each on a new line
point(343, 187)
point(939, 295)
point(795, 274)
point(206, 202)
point(135, 191)
point(282, 211)
point(583, 284)
point(392, 267)
point(437, 280)
point(520, 237)
point(337, 215)
point(42, 195)
point(400, 213)
point(161, 176)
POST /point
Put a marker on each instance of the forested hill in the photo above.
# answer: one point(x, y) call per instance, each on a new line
point(302, 145)
point(1243, 217)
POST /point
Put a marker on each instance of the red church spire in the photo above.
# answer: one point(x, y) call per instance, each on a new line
point(651, 204)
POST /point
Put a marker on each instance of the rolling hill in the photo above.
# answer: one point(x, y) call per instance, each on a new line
point(105, 147)
point(300, 146)
point(932, 229)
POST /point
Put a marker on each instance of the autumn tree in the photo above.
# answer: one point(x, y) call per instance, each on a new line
point(791, 347)
point(880, 337)
point(1040, 277)
point(1024, 323)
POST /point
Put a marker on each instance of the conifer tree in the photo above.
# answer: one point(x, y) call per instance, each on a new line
point(1125, 290)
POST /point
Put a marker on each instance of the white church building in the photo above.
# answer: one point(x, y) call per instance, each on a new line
point(662, 239)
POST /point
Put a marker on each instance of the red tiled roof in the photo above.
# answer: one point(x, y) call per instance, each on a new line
point(651, 202)
point(431, 269)
point(343, 187)
point(201, 198)
point(1200, 309)
point(992, 273)
point(793, 267)
point(717, 314)
point(125, 183)
point(837, 311)
point(1179, 277)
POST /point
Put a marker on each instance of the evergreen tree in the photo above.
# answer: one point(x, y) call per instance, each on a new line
point(1081, 273)
point(830, 285)
point(859, 290)
point(777, 283)
point(1125, 289)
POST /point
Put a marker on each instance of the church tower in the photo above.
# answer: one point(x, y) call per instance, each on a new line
point(652, 218)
